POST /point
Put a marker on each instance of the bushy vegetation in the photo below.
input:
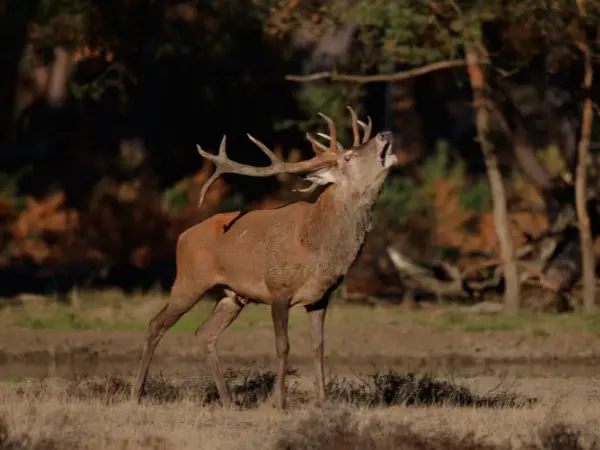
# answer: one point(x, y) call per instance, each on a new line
point(101, 106)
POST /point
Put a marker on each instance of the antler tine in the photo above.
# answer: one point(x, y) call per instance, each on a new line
point(354, 127)
point(324, 136)
point(218, 168)
point(318, 148)
point(367, 128)
point(307, 190)
point(266, 150)
point(332, 134)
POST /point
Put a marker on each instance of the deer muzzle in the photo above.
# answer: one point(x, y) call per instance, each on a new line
point(384, 141)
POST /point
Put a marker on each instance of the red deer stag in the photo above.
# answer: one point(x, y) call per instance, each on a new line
point(293, 255)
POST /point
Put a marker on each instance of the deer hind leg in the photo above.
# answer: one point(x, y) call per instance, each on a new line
point(280, 312)
point(180, 302)
point(225, 312)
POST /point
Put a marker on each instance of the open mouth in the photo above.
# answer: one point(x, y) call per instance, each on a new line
point(386, 156)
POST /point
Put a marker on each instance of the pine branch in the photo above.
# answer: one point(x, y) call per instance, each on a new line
point(363, 79)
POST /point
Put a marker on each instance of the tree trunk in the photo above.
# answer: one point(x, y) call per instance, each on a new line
point(14, 19)
point(560, 255)
point(512, 287)
point(588, 259)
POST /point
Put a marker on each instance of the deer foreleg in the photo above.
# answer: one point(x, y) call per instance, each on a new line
point(316, 316)
point(280, 311)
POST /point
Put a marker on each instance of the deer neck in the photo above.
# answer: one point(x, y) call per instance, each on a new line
point(337, 226)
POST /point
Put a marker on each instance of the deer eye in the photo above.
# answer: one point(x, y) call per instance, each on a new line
point(348, 156)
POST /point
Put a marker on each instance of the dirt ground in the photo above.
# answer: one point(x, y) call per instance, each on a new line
point(349, 348)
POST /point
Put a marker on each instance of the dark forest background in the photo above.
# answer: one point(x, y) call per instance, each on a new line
point(102, 104)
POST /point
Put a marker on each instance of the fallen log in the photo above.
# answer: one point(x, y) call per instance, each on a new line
point(471, 281)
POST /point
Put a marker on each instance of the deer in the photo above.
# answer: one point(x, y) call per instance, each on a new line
point(294, 255)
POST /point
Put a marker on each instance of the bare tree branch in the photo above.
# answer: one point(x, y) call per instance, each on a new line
point(384, 77)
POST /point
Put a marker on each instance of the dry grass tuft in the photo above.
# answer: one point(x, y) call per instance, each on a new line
point(25, 442)
point(250, 389)
point(561, 436)
point(391, 388)
point(335, 429)
point(253, 387)
point(11, 441)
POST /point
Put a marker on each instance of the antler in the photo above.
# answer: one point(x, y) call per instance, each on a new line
point(355, 122)
point(367, 127)
point(325, 156)
point(334, 146)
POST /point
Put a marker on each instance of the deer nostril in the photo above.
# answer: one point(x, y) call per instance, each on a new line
point(385, 136)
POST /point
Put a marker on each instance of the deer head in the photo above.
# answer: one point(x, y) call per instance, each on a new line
point(360, 169)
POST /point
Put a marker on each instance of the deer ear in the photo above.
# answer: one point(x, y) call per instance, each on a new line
point(322, 176)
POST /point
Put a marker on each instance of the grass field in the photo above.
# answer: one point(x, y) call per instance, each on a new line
point(436, 378)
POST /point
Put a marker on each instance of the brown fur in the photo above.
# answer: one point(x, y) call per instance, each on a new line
point(293, 255)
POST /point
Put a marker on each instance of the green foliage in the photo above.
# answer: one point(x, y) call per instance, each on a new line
point(330, 99)
point(553, 160)
point(9, 187)
point(403, 25)
point(176, 197)
point(65, 23)
point(114, 77)
point(438, 166)
point(66, 322)
point(116, 36)
point(477, 197)
point(419, 31)
point(403, 197)
point(400, 198)
point(233, 202)
point(49, 9)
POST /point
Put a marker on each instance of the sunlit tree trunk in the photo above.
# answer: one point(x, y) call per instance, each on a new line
point(587, 244)
point(512, 289)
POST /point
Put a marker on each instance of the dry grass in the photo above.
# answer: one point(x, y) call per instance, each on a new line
point(346, 430)
point(251, 388)
point(184, 414)
point(390, 389)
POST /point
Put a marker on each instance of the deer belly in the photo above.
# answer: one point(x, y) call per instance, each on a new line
point(315, 289)
point(243, 275)
point(256, 292)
